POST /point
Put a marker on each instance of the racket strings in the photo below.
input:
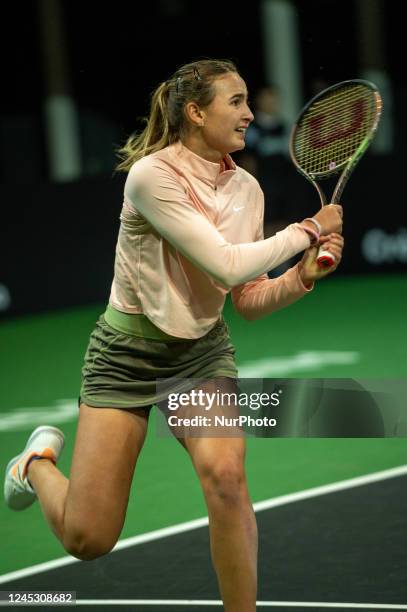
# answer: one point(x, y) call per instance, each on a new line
point(333, 128)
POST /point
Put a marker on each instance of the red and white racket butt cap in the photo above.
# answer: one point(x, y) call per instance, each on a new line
point(325, 259)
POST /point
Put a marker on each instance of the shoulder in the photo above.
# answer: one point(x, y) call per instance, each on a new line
point(149, 171)
point(152, 163)
point(244, 176)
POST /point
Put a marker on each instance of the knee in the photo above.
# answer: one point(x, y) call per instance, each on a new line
point(87, 546)
point(226, 482)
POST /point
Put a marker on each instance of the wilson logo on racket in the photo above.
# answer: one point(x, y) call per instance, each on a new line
point(317, 126)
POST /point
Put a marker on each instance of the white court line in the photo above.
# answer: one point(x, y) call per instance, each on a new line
point(213, 602)
point(304, 361)
point(202, 522)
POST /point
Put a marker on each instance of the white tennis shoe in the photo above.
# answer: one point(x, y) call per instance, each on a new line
point(46, 442)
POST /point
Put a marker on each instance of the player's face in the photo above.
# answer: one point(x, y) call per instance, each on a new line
point(227, 116)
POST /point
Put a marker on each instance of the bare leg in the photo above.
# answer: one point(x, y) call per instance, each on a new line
point(87, 512)
point(51, 487)
point(219, 463)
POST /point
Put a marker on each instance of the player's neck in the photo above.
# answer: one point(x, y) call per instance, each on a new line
point(199, 147)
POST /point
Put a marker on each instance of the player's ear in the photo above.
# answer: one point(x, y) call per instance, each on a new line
point(194, 114)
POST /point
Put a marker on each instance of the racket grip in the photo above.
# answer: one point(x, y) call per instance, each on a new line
point(325, 259)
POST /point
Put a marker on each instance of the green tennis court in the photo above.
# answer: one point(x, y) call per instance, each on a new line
point(348, 327)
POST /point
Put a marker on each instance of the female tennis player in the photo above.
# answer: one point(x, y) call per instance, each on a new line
point(191, 231)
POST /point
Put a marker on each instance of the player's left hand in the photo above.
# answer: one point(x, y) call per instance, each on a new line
point(309, 270)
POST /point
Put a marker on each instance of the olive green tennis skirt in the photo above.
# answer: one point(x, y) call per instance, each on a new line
point(121, 369)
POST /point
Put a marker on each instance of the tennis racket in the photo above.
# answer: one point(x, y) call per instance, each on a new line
point(331, 134)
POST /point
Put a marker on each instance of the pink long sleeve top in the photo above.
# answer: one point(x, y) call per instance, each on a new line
point(191, 231)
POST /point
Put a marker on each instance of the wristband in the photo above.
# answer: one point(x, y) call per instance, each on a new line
point(312, 233)
point(316, 223)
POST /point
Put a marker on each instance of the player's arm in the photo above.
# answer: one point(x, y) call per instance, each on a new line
point(160, 198)
point(263, 296)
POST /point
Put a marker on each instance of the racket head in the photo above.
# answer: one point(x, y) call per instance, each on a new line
point(335, 128)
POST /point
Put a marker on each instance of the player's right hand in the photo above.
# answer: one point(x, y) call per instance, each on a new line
point(330, 219)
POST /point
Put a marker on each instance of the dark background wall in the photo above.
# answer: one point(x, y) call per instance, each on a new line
point(57, 239)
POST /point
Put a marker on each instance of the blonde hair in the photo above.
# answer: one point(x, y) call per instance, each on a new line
point(166, 122)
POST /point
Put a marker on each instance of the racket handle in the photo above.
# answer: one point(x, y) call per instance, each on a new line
point(325, 259)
